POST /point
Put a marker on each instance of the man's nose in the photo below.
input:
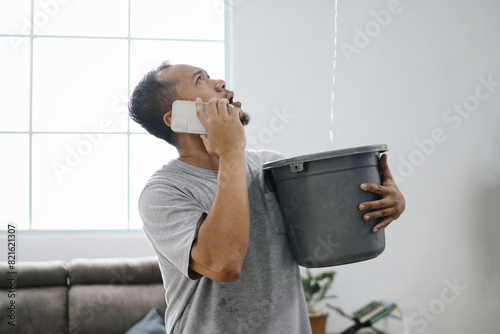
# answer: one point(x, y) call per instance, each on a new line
point(220, 85)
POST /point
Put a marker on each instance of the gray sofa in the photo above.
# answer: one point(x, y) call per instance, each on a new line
point(82, 296)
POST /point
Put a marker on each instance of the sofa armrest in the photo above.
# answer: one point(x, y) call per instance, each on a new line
point(35, 296)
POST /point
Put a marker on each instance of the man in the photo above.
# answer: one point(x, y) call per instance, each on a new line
point(217, 230)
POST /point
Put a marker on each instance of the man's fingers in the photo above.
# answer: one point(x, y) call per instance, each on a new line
point(375, 188)
point(204, 138)
point(385, 212)
point(384, 169)
point(212, 106)
point(235, 112)
point(222, 107)
point(382, 203)
point(200, 111)
point(390, 206)
point(383, 224)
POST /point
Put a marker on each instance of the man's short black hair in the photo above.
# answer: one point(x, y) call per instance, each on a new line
point(151, 99)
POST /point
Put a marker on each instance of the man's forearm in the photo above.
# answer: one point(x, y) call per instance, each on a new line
point(223, 237)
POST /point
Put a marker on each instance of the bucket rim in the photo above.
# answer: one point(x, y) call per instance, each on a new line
point(325, 155)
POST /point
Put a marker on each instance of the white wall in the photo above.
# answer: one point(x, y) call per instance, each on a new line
point(67, 245)
point(397, 89)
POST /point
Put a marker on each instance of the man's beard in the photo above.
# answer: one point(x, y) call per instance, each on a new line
point(245, 118)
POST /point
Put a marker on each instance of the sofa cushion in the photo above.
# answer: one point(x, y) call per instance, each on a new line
point(152, 323)
point(102, 291)
point(114, 271)
point(101, 308)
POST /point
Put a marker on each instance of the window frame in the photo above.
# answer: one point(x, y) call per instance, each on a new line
point(127, 230)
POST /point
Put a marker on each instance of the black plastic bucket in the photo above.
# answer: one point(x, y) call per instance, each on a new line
point(319, 195)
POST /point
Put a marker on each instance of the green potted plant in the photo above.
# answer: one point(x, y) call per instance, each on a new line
point(315, 289)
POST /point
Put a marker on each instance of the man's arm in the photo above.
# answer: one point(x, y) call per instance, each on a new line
point(222, 241)
point(392, 204)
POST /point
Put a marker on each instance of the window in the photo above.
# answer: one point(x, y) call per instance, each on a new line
point(71, 158)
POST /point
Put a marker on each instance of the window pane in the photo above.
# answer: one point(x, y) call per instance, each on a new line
point(147, 55)
point(147, 155)
point(79, 181)
point(14, 84)
point(186, 19)
point(15, 17)
point(14, 180)
point(81, 18)
point(80, 85)
point(82, 176)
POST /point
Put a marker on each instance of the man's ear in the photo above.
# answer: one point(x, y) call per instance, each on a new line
point(167, 118)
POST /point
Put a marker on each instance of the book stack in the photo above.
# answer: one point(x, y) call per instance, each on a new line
point(373, 312)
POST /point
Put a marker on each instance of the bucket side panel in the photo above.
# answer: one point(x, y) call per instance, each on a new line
point(325, 226)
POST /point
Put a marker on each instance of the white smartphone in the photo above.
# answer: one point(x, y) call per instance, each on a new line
point(184, 119)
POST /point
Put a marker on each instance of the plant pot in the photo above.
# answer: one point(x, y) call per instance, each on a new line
point(318, 323)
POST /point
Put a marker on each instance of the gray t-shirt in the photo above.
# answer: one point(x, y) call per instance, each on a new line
point(267, 297)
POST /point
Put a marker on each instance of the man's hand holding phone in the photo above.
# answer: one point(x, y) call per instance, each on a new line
point(225, 133)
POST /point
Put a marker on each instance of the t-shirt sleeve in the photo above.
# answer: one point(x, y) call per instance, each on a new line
point(269, 156)
point(171, 221)
point(264, 156)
